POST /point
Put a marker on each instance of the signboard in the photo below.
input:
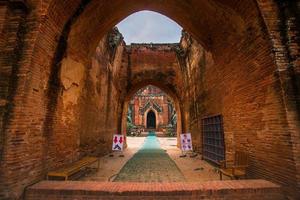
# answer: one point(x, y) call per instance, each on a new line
point(118, 141)
point(186, 142)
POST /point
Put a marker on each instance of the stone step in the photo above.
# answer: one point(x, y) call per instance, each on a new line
point(237, 189)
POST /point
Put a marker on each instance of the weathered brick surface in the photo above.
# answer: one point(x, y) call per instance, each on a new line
point(248, 97)
point(282, 21)
point(241, 82)
point(251, 189)
point(154, 64)
point(248, 48)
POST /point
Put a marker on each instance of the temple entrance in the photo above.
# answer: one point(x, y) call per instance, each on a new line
point(151, 120)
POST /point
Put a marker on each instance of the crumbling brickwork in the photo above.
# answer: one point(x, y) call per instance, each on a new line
point(253, 115)
point(64, 83)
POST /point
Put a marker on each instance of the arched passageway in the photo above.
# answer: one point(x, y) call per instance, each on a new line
point(233, 61)
point(175, 101)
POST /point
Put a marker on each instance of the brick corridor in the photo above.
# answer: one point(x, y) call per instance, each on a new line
point(150, 164)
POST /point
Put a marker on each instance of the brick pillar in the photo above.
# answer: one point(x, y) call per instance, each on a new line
point(12, 19)
point(12, 31)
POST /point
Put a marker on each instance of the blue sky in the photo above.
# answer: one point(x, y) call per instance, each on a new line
point(148, 26)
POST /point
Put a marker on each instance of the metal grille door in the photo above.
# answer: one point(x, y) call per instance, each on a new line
point(213, 139)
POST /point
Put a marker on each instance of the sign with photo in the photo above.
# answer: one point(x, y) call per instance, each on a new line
point(186, 142)
point(118, 141)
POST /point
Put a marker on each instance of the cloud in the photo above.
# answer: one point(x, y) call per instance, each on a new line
point(148, 26)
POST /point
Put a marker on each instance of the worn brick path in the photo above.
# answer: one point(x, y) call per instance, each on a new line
point(150, 164)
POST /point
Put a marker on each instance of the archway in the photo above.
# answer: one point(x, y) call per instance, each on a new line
point(151, 120)
point(180, 125)
point(238, 39)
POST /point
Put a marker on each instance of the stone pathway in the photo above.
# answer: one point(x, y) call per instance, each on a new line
point(150, 164)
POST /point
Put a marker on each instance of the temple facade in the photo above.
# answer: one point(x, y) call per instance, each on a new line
point(152, 109)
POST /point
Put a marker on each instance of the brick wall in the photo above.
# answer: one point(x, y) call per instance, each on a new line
point(16, 48)
point(54, 109)
point(242, 84)
point(282, 21)
point(12, 30)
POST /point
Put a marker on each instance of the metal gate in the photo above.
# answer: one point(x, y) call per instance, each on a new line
point(213, 139)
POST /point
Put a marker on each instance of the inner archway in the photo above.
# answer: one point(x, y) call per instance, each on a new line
point(151, 120)
point(150, 108)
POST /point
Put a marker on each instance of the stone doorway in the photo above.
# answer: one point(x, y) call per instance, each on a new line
point(151, 120)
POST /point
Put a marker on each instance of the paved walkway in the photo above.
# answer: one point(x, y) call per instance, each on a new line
point(150, 164)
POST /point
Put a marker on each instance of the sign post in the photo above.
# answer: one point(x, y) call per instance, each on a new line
point(117, 145)
point(186, 143)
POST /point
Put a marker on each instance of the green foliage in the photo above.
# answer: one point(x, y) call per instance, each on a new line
point(130, 126)
point(170, 131)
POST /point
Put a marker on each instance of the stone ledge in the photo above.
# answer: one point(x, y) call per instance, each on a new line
point(241, 189)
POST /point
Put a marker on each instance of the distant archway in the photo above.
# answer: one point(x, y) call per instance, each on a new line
point(151, 120)
point(178, 105)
